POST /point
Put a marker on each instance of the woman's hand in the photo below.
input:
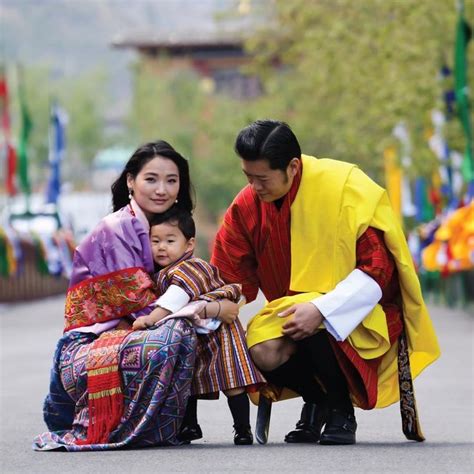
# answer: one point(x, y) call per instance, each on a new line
point(225, 310)
point(228, 311)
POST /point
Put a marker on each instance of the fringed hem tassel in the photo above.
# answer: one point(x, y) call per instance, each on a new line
point(106, 402)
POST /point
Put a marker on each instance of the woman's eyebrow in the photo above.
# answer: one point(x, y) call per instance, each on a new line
point(152, 173)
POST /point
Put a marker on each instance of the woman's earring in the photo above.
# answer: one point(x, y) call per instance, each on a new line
point(176, 202)
point(130, 193)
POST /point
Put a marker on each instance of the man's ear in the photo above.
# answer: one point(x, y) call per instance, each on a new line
point(191, 244)
point(294, 166)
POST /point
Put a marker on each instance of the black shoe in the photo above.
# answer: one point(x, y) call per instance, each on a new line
point(243, 435)
point(308, 429)
point(190, 433)
point(340, 428)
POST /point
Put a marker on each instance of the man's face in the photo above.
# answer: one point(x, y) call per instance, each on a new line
point(269, 184)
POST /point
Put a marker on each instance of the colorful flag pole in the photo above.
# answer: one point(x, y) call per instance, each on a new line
point(393, 180)
point(425, 210)
point(439, 147)
point(26, 127)
point(8, 149)
point(461, 87)
point(57, 148)
point(400, 132)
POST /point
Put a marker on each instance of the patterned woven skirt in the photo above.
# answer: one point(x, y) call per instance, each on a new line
point(223, 362)
point(156, 368)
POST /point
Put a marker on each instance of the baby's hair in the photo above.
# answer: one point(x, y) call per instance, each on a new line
point(179, 217)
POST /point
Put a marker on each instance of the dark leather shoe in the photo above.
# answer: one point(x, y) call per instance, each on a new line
point(190, 433)
point(340, 428)
point(243, 435)
point(308, 429)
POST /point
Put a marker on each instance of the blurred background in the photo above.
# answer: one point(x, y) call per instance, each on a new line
point(386, 84)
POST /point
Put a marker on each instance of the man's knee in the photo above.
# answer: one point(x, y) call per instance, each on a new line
point(271, 354)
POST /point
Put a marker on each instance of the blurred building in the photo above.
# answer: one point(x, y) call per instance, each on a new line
point(216, 57)
point(107, 166)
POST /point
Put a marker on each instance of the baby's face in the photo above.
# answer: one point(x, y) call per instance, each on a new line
point(168, 244)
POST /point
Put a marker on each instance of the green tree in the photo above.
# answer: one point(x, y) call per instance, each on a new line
point(165, 105)
point(216, 168)
point(172, 104)
point(84, 100)
point(350, 71)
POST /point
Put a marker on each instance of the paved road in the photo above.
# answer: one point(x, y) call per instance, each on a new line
point(444, 394)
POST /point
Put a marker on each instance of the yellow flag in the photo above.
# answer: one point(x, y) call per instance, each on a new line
point(393, 180)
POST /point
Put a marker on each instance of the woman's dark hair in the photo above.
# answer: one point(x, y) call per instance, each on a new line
point(139, 159)
point(176, 216)
point(268, 140)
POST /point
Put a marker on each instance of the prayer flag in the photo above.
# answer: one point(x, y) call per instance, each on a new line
point(26, 126)
point(393, 180)
point(463, 35)
point(425, 210)
point(439, 146)
point(57, 148)
point(400, 131)
point(8, 149)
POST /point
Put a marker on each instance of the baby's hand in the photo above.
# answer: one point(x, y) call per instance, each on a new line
point(143, 322)
point(157, 315)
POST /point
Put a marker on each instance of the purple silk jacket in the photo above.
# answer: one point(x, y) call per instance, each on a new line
point(120, 240)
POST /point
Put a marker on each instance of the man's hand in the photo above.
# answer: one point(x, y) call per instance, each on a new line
point(306, 319)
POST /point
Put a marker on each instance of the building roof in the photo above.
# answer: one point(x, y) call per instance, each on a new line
point(177, 42)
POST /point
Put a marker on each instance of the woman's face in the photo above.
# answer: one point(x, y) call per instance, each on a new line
point(156, 186)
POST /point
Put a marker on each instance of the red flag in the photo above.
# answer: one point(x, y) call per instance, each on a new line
point(9, 150)
point(11, 169)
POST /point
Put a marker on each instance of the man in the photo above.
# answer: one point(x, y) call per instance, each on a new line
point(320, 239)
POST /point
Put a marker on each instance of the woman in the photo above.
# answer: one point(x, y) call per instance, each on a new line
point(111, 387)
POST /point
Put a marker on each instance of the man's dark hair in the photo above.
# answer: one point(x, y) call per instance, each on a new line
point(268, 140)
point(177, 216)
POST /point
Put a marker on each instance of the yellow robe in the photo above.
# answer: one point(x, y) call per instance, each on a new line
point(335, 204)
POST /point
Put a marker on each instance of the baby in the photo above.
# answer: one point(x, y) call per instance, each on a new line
point(184, 281)
point(183, 278)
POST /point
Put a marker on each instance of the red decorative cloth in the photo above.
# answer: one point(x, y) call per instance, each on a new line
point(110, 296)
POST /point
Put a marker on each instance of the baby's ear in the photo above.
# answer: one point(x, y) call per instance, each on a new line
point(191, 244)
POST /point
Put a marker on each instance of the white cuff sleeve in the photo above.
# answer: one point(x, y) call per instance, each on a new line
point(345, 307)
point(173, 299)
